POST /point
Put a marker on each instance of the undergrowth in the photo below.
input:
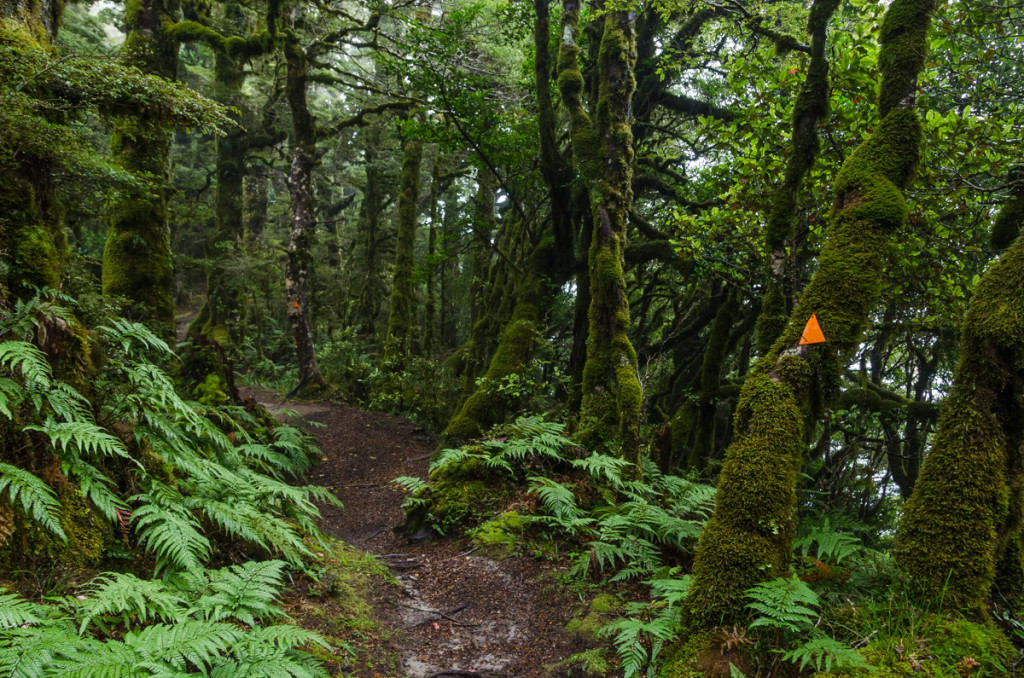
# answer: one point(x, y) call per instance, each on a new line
point(103, 462)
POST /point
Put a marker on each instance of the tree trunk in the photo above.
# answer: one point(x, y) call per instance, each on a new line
point(219, 312)
point(137, 260)
point(400, 342)
point(812, 105)
point(303, 223)
point(749, 538)
point(965, 511)
point(32, 236)
point(603, 154)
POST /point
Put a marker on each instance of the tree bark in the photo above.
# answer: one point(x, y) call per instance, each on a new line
point(400, 343)
point(303, 220)
point(603, 154)
point(137, 260)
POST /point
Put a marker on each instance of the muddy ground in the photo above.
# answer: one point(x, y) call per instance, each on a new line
point(455, 610)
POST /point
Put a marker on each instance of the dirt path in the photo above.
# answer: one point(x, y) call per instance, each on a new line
point(499, 617)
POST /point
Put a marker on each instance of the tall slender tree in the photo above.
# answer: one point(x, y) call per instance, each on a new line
point(602, 147)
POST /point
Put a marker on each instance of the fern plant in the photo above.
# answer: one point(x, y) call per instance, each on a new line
point(788, 607)
point(203, 622)
point(640, 635)
point(223, 480)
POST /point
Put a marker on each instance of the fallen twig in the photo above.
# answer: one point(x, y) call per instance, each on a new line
point(435, 615)
point(459, 555)
point(863, 642)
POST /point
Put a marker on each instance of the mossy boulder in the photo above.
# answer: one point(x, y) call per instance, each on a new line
point(501, 536)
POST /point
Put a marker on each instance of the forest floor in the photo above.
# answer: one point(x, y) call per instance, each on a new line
point(449, 609)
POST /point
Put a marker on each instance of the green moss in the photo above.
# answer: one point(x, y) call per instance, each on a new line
point(501, 536)
point(211, 391)
point(459, 494)
point(32, 240)
point(960, 521)
point(31, 546)
point(938, 647)
point(682, 659)
point(591, 662)
point(601, 610)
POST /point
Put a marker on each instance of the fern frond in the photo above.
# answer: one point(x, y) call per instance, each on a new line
point(125, 596)
point(784, 603)
point(84, 436)
point(170, 531)
point(32, 652)
point(26, 358)
point(603, 467)
point(37, 499)
point(131, 335)
point(825, 654)
point(15, 611)
point(192, 640)
point(246, 592)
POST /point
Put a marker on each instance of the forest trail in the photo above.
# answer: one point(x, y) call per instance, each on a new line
point(457, 611)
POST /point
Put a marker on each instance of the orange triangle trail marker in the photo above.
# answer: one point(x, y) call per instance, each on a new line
point(812, 332)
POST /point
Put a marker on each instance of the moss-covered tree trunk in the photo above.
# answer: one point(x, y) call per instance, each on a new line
point(710, 382)
point(137, 261)
point(32, 236)
point(368, 302)
point(749, 537)
point(303, 219)
point(430, 301)
point(255, 203)
point(812, 105)
point(603, 154)
point(400, 342)
point(217, 316)
point(962, 524)
point(548, 265)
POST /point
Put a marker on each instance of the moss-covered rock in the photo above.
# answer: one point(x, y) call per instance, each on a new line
point(459, 493)
point(502, 536)
point(600, 612)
